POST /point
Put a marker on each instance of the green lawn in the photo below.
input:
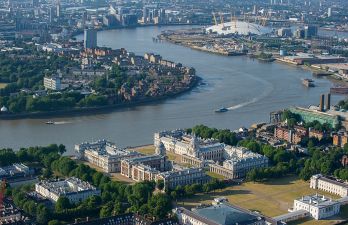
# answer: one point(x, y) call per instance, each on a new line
point(271, 199)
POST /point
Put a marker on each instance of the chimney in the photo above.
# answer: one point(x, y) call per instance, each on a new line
point(321, 105)
point(328, 101)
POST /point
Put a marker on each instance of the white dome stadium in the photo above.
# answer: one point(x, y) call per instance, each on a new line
point(4, 109)
point(240, 27)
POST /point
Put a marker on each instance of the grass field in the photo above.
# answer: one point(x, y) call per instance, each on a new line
point(150, 149)
point(271, 199)
point(3, 85)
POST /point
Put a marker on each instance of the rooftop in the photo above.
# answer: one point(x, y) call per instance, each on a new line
point(317, 200)
point(226, 214)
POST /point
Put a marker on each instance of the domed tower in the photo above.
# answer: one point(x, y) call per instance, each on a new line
point(160, 149)
point(194, 146)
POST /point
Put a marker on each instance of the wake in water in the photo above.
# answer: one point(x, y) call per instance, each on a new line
point(268, 90)
point(243, 104)
point(62, 122)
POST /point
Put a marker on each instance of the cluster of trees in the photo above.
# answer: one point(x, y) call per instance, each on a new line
point(291, 118)
point(25, 72)
point(52, 102)
point(190, 190)
point(116, 197)
point(224, 136)
point(284, 162)
point(343, 104)
point(115, 78)
point(327, 163)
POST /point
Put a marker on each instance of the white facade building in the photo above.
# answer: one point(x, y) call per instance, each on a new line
point(330, 185)
point(73, 188)
point(104, 154)
point(181, 143)
point(318, 206)
point(52, 83)
point(184, 177)
point(231, 162)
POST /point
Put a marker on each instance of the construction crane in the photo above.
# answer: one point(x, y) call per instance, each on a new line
point(234, 20)
point(215, 21)
point(222, 20)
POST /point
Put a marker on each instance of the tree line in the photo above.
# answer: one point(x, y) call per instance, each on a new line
point(116, 197)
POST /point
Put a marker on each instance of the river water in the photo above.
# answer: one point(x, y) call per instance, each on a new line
point(249, 88)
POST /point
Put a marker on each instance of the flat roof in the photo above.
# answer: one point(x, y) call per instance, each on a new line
point(226, 214)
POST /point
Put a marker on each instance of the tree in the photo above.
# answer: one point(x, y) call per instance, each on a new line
point(42, 214)
point(160, 205)
point(62, 149)
point(55, 222)
point(160, 184)
point(106, 210)
point(62, 204)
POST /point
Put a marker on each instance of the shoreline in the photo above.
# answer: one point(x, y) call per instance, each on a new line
point(330, 76)
point(98, 110)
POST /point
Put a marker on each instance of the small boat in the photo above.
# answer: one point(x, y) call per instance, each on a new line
point(308, 82)
point(223, 109)
point(50, 122)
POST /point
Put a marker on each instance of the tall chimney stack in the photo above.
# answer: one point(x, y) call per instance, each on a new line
point(321, 105)
point(328, 101)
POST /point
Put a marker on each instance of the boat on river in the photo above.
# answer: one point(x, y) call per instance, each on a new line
point(221, 110)
point(49, 122)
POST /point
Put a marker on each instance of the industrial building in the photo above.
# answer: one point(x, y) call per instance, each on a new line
point(73, 188)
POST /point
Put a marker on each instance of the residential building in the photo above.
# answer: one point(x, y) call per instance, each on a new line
point(184, 177)
point(52, 83)
point(289, 135)
point(9, 213)
point(340, 139)
point(90, 39)
point(318, 206)
point(15, 171)
point(126, 219)
point(329, 184)
point(73, 188)
point(219, 214)
point(104, 154)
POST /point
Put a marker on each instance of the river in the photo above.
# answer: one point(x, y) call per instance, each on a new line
point(249, 88)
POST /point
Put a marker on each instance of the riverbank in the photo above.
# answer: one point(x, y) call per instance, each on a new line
point(100, 109)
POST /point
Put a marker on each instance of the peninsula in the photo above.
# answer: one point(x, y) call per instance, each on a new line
point(48, 79)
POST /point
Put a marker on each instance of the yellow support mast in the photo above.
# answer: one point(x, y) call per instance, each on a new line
point(215, 21)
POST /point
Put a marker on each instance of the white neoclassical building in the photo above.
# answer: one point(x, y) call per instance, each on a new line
point(318, 206)
point(329, 184)
point(104, 154)
point(73, 188)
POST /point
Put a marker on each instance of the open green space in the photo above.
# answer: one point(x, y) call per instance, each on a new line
point(272, 198)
